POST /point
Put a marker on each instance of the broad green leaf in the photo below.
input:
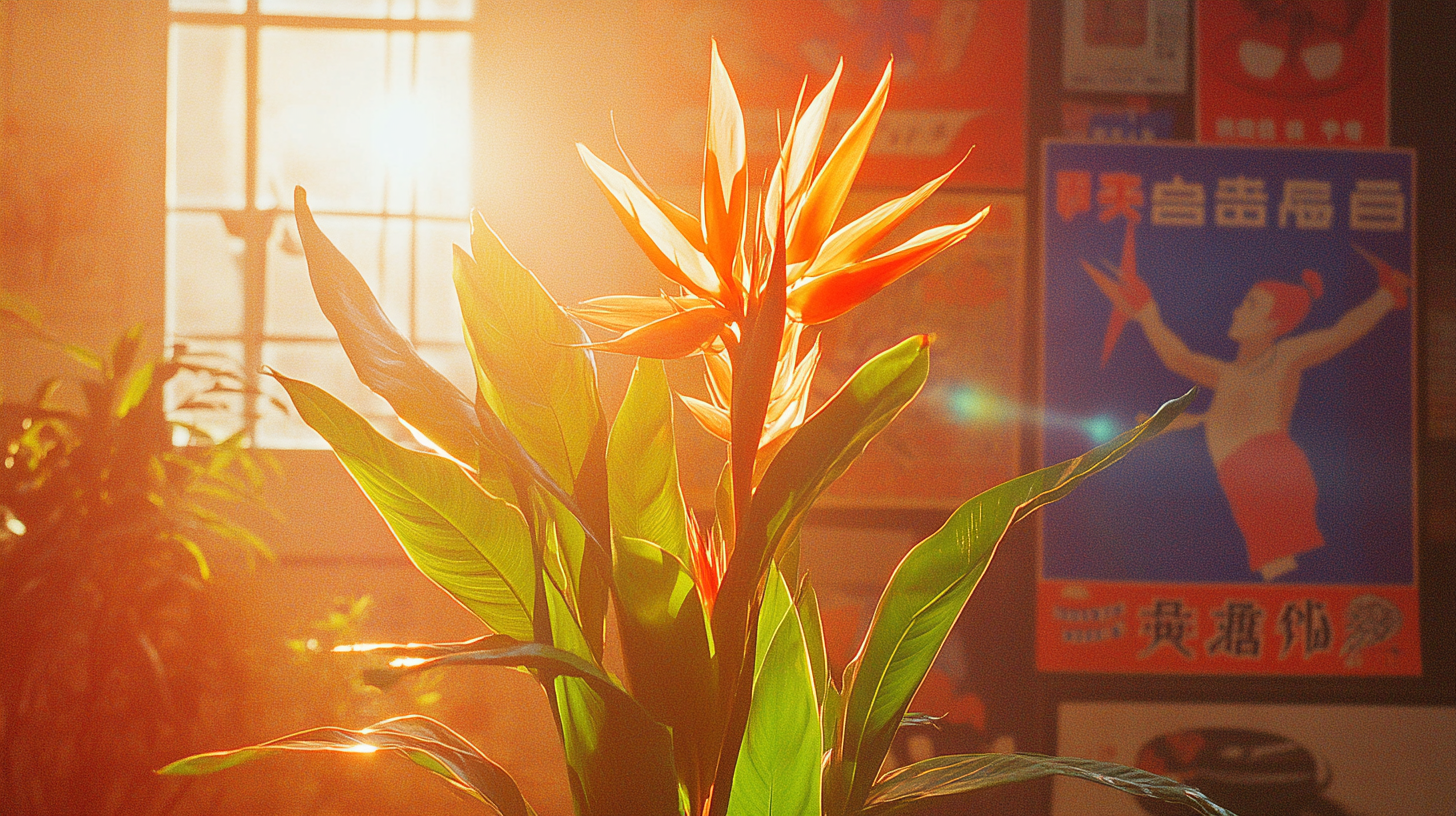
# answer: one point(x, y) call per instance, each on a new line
point(808, 607)
point(817, 454)
point(821, 450)
point(646, 499)
point(924, 597)
point(667, 651)
point(620, 756)
point(913, 789)
point(543, 390)
point(778, 765)
point(592, 512)
point(831, 439)
point(565, 526)
point(385, 361)
point(424, 741)
point(472, 544)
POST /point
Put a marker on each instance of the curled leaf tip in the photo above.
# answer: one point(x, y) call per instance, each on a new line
point(927, 339)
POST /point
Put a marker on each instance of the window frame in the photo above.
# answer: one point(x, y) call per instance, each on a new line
point(254, 226)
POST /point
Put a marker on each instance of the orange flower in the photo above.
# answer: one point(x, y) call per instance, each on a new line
point(721, 260)
point(710, 560)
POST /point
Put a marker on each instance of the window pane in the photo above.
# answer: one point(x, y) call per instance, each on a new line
point(185, 389)
point(442, 105)
point(223, 6)
point(206, 117)
point(368, 9)
point(373, 9)
point(446, 9)
point(319, 98)
point(437, 310)
point(204, 275)
point(368, 121)
point(292, 310)
point(324, 364)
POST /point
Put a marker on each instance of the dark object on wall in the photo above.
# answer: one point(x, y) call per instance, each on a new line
point(1253, 773)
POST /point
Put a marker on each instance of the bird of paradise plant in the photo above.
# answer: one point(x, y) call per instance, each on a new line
point(537, 514)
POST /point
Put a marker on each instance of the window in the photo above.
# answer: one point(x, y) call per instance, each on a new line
point(366, 104)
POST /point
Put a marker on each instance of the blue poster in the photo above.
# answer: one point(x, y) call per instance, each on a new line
point(1277, 281)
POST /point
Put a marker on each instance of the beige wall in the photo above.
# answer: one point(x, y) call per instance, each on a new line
point(83, 146)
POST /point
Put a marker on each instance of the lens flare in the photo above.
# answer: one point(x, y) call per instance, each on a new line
point(972, 404)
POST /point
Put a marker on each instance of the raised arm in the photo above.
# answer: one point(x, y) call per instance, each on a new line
point(1312, 348)
point(1175, 354)
point(1131, 297)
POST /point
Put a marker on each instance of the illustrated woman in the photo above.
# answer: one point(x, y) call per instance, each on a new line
point(1264, 474)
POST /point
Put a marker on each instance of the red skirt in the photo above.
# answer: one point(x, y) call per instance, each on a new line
point(1272, 493)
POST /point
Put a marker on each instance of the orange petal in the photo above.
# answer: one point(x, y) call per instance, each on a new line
point(725, 181)
point(719, 377)
point(828, 296)
point(826, 195)
point(795, 397)
point(686, 222)
point(801, 151)
point(671, 252)
point(858, 237)
point(674, 336)
point(713, 419)
point(626, 312)
point(807, 133)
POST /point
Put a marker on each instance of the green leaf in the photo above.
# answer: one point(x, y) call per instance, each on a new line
point(829, 710)
point(137, 386)
point(906, 790)
point(472, 544)
point(427, 743)
point(646, 499)
point(924, 597)
point(621, 757)
point(667, 651)
point(203, 570)
point(821, 450)
point(831, 439)
point(385, 361)
point(808, 607)
point(543, 390)
point(778, 765)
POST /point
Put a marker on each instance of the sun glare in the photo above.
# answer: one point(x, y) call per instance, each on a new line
point(401, 134)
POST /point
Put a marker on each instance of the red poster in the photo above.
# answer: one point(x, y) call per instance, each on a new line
point(959, 80)
point(1302, 72)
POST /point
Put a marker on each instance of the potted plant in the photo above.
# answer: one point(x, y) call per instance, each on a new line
point(115, 647)
point(539, 515)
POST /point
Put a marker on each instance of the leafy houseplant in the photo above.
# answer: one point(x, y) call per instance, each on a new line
point(539, 515)
point(113, 649)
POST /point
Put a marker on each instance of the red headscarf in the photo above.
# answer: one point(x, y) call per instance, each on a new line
point(1291, 301)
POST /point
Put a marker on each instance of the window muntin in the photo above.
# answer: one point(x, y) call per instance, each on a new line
point(370, 113)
